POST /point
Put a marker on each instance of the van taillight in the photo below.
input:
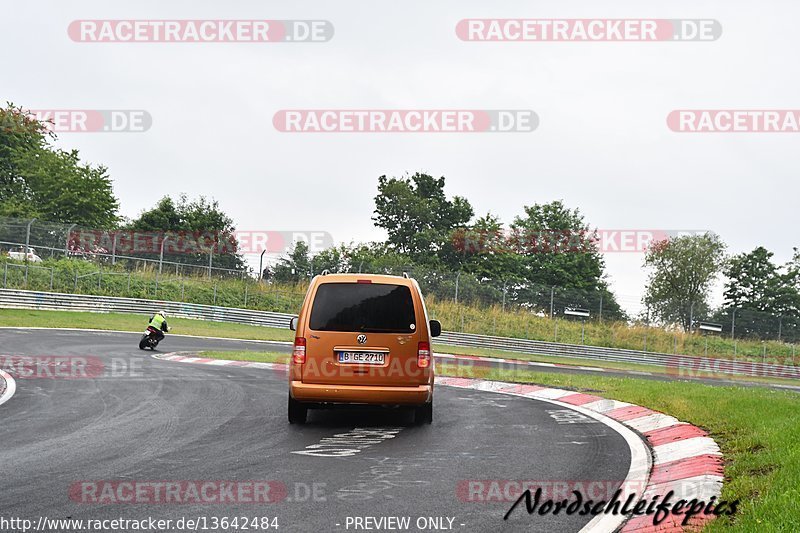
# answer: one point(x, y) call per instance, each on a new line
point(299, 352)
point(424, 355)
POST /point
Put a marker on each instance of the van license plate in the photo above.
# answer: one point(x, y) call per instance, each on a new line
point(362, 358)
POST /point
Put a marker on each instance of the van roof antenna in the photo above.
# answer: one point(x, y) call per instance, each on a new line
point(325, 272)
point(405, 275)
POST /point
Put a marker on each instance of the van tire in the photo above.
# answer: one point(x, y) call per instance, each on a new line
point(298, 412)
point(423, 414)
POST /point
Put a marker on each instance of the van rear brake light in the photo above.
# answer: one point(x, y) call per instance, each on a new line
point(299, 351)
point(364, 281)
point(424, 355)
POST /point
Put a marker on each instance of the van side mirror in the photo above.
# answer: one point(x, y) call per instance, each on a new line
point(436, 328)
point(293, 324)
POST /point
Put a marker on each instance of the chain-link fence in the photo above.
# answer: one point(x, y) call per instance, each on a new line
point(38, 256)
point(32, 240)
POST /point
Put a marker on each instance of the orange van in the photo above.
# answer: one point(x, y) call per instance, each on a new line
point(362, 339)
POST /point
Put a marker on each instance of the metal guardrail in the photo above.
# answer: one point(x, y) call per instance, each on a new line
point(10, 298)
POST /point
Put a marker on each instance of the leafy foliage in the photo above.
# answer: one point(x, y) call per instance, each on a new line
point(199, 221)
point(682, 271)
point(37, 180)
point(418, 217)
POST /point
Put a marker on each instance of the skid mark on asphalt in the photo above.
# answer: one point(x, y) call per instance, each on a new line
point(349, 443)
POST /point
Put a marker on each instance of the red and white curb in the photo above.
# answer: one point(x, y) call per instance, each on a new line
point(7, 387)
point(684, 459)
point(666, 454)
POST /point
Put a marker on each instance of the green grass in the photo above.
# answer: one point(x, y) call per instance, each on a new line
point(757, 430)
point(130, 322)
point(247, 355)
point(23, 318)
point(598, 363)
point(488, 320)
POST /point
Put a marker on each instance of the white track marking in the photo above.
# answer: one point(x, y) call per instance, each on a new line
point(11, 387)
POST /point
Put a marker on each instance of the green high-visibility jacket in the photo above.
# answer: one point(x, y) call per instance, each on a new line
point(158, 322)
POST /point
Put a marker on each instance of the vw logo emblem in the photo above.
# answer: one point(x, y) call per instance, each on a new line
point(362, 339)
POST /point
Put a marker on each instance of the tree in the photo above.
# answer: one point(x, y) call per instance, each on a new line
point(418, 217)
point(756, 283)
point(485, 250)
point(681, 273)
point(295, 267)
point(197, 228)
point(37, 180)
point(558, 246)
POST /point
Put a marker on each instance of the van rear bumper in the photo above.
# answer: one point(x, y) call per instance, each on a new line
point(368, 394)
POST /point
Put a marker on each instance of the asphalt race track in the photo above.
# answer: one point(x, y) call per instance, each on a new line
point(143, 419)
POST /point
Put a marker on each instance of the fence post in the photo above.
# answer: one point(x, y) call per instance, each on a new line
point(99, 280)
point(76, 281)
point(52, 275)
point(5, 275)
point(215, 293)
point(733, 326)
point(555, 331)
point(780, 327)
point(183, 286)
point(129, 284)
point(26, 274)
point(245, 294)
point(552, 289)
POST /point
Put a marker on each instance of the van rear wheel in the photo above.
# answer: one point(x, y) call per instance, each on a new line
point(298, 412)
point(423, 414)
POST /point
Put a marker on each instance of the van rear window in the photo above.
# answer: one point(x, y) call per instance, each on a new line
point(368, 307)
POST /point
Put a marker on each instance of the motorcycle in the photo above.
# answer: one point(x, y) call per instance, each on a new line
point(150, 339)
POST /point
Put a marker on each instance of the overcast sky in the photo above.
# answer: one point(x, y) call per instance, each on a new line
point(602, 144)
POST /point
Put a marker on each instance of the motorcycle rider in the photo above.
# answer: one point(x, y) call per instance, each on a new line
point(159, 322)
